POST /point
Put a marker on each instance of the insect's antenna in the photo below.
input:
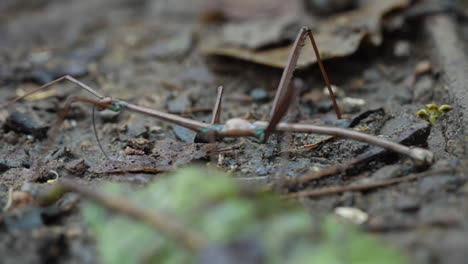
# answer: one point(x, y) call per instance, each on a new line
point(324, 73)
point(96, 134)
point(60, 121)
point(49, 84)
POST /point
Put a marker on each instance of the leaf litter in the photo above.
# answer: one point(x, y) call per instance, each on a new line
point(379, 204)
point(337, 36)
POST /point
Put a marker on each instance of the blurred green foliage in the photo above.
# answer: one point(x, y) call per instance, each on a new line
point(211, 203)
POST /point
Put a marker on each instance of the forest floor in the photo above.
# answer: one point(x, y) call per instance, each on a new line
point(158, 55)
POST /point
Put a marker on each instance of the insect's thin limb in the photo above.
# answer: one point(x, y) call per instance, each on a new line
point(283, 95)
point(324, 73)
point(49, 84)
point(197, 126)
point(289, 69)
point(215, 119)
point(418, 154)
point(216, 114)
point(282, 108)
point(96, 134)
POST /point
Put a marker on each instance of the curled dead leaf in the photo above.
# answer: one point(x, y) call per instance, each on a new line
point(337, 36)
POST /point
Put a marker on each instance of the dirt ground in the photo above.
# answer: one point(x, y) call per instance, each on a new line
point(125, 49)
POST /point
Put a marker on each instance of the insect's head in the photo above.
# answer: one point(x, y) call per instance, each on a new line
point(110, 104)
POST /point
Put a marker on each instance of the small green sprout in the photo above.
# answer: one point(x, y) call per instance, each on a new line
point(432, 112)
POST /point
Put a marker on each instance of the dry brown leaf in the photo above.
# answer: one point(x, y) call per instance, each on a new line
point(337, 36)
point(238, 10)
point(253, 10)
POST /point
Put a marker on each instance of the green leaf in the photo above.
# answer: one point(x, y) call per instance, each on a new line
point(211, 203)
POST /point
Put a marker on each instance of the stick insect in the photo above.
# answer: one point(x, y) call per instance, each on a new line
point(237, 127)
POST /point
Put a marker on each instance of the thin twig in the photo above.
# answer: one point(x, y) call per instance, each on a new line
point(341, 189)
point(169, 226)
point(309, 147)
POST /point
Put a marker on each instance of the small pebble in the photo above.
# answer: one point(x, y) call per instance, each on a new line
point(140, 143)
point(184, 134)
point(263, 170)
point(354, 215)
point(384, 173)
point(371, 75)
point(109, 116)
point(23, 220)
point(328, 7)
point(73, 68)
point(422, 67)
point(39, 77)
point(402, 48)
point(407, 204)
point(128, 151)
point(25, 124)
point(3, 167)
point(352, 105)
point(259, 95)
point(179, 104)
point(336, 91)
point(77, 166)
point(435, 183)
point(10, 138)
point(423, 89)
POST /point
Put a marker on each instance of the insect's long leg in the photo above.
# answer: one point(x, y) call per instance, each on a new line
point(49, 84)
point(418, 154)
point(281, 109)
point(289, 70)
point(215, 119)
point(324, 74)
point(283, 97)
point(216, 114)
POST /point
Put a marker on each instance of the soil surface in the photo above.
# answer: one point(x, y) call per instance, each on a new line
point(148, 53)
